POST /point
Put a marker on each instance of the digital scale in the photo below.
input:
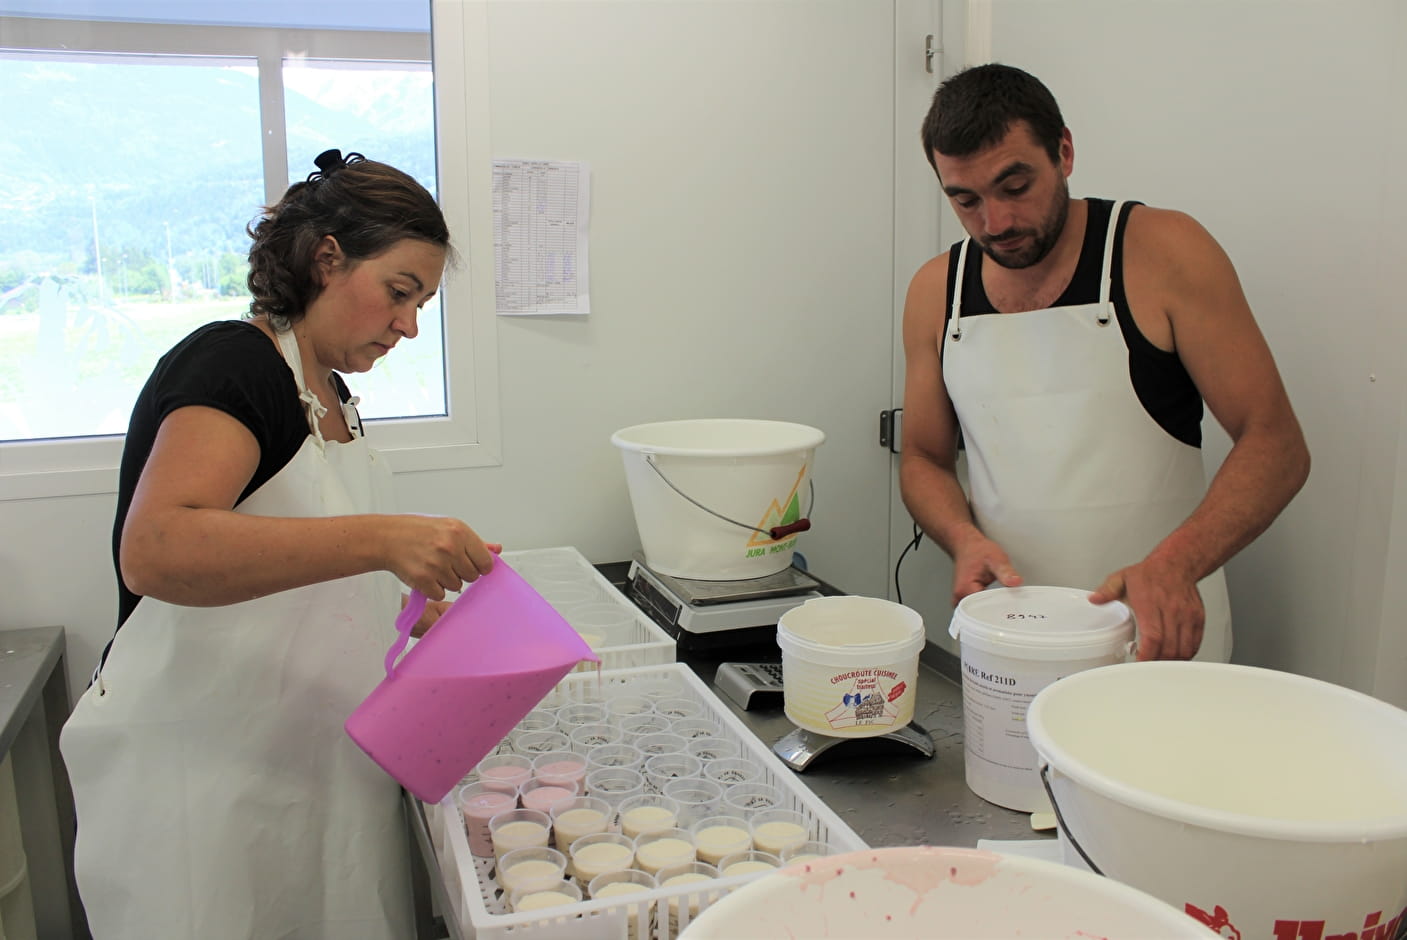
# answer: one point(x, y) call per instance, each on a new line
point(707, 616)
point(715, 615)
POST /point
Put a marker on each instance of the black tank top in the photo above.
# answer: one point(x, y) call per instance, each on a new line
point(1159, 378)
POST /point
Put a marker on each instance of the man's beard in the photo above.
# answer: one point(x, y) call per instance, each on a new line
point(1042, 240)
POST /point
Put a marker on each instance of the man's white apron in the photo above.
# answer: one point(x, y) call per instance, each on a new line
point(1066, 470)
point(217, 795)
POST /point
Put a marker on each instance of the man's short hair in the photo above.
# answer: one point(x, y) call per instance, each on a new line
point(975, 108)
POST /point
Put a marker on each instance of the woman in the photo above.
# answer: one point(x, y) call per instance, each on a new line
point(217, 795)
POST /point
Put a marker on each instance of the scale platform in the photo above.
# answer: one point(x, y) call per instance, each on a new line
point(718, 614)
point(800, 747)
point(754, 685)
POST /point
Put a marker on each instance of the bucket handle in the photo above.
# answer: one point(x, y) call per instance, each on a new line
point(776, 533)
point(1060, 820)
point(405, 622)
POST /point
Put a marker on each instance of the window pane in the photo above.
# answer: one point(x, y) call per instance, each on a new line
point(129, 181)
point(384, 111)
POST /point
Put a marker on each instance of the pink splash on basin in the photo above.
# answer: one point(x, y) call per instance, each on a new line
point(924, 869)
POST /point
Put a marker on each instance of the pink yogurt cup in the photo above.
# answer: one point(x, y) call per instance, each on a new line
point(505, 772)
point(479, 803)
point(560, 769)
point(543, 796)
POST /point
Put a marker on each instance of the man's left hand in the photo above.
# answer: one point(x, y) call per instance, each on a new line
point(1167, 609)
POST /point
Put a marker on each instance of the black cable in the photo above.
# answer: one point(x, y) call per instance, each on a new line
point(913, 544)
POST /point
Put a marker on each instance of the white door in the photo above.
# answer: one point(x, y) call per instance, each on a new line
point(923, 226)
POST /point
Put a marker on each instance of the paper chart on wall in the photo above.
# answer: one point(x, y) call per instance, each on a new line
point(540, 214)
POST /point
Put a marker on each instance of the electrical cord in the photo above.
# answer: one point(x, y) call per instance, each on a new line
point(913, 544)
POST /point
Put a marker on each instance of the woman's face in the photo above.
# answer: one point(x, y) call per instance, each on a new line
point(368, 306)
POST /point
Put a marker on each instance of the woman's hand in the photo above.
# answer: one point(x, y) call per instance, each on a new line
point(432, 613)
point(434, 610)
point(434, 554)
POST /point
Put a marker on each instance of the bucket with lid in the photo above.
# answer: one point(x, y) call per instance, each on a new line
point(850, 665)
point(493, 655)
point(719, 499)
point(1015, 642)
point(1264, 803)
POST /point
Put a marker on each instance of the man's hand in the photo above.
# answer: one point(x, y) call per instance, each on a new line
point(1166, 606)
point(977, 563)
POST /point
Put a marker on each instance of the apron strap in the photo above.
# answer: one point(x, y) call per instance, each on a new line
point(288, 345)
point(352, 415)
point(955, 325)
point(1106, 280)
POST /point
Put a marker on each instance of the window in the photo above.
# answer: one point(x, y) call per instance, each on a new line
point(137, 153)
point(123, 237)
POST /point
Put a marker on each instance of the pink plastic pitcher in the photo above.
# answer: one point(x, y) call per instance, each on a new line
point(491, 657)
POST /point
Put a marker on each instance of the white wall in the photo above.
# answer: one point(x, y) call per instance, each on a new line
point(742, 217)
point(742, 244)
point(1280, 127)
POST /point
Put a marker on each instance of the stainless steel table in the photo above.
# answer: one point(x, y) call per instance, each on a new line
point(33, 707)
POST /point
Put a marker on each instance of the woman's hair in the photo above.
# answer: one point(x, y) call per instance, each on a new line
point(975, 108)
point(367, 206)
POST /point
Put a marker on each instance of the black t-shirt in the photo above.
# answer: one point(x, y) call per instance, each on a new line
point(230, 365)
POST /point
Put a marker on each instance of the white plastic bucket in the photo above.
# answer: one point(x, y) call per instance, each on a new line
point(1265, 803)
point(719, 499)
point(939, 893)
point(1015, 642)
point(850, 665)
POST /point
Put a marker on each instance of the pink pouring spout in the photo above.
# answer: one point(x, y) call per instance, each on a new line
point(489, 659)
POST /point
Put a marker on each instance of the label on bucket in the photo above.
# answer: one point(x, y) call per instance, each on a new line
point(996, 694)
point(867, 697)
point(1375, 925)
point(783, 512)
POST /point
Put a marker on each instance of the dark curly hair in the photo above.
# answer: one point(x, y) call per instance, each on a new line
point(974, 109)
point(367, 206)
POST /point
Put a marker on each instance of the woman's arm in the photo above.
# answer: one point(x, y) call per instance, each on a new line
point(183, 543)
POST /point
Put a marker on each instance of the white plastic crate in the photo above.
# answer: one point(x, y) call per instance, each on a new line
point(563, 574)
point(480, 909)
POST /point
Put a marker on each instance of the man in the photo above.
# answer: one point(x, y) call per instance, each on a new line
point(1072, 343)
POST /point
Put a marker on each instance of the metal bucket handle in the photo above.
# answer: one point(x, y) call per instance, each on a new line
point(1060, 820)
point(776, 533)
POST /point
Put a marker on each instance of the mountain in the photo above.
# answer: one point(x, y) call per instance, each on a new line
point(150, 142)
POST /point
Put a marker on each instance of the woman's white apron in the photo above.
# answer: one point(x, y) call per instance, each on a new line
point(217, 795)
point(1066, 470)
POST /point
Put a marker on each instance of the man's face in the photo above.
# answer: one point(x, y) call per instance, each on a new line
point(1011, 198)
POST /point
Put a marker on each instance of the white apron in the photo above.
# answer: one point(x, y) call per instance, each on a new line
point(1066, 470)
point(217, 794)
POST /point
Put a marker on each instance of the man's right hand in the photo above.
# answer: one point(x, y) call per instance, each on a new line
point(977, 563)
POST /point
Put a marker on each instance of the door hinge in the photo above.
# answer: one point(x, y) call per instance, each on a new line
point(891, 423)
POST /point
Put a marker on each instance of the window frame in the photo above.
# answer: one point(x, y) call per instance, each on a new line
point(456, 48)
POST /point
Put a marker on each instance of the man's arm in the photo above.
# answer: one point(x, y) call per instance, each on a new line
point(928, 452)
point(1186, 296)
